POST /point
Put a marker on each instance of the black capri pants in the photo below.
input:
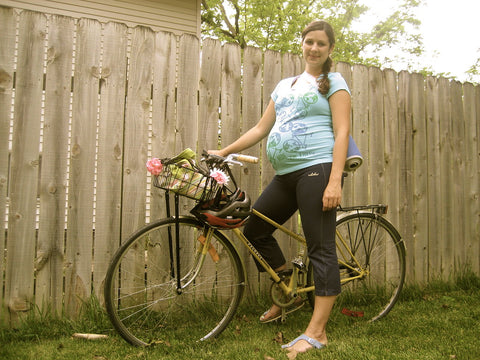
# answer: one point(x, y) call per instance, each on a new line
point(302, 190)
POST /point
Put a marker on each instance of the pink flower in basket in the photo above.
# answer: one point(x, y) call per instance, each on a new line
point(154, 166)
point(220, 177)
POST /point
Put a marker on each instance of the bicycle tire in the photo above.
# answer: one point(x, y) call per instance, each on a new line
point(141, 296)
point(380, 251)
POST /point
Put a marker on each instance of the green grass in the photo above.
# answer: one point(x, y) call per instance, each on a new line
point(438, 321)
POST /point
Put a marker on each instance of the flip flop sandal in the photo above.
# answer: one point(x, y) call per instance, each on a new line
point(294, 307)
point(315, 343)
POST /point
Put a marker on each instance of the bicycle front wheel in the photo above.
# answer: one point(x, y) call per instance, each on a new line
point(154, 295)
point(371, 257)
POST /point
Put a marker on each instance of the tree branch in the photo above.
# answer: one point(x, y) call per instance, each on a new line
point(230, 27)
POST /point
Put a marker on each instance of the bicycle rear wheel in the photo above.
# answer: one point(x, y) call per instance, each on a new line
point(371, 257)
point(373, 273)
point(150, 298)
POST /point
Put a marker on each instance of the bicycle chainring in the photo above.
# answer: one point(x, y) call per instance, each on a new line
point(278, 296)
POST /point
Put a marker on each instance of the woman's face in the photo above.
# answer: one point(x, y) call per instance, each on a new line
point(316, 48)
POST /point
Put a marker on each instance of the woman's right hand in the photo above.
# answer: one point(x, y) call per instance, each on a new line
point(217, 152)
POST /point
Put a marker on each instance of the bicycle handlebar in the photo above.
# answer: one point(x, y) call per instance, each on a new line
point(230, 159)
point(244, 158)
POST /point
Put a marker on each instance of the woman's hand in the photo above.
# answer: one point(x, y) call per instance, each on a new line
point(332, 196)
point(217, 152)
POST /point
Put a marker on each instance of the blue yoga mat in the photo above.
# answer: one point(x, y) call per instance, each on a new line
point(354, 157)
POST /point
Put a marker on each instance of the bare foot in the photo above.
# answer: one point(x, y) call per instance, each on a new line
point(270, 314)
point(275, 312)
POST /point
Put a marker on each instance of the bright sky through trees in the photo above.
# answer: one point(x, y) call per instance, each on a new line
point(450, 31)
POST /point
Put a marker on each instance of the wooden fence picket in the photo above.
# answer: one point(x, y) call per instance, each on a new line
point(7, 62)
point(54, 165)
point(163, 110)
point(24, 167)
point(209, 95)
point(416, 107)
point(392, 146)
point(187, 93)
point(230, 95)
point(458, 139)
point(136, 131)
point(113, 83)
point(472, 169)
point(79, 242)
point(406, 163)
point(433, 170)
point(447, 248)
point(359, 131)
point(376, 136)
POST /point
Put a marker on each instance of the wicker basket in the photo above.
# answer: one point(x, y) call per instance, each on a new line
point(186, 181)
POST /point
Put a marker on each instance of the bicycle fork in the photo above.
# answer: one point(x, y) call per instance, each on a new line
point(184, 280)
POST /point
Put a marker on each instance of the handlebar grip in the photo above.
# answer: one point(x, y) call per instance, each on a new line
point(247, 158)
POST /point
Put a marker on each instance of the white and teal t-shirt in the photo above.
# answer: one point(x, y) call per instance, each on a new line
point(302, 135)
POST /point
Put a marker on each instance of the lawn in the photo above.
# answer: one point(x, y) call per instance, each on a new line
point(439, 321)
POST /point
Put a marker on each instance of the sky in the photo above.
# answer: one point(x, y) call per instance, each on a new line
point(450, 30)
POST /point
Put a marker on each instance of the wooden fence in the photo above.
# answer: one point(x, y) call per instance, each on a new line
point(84, 104)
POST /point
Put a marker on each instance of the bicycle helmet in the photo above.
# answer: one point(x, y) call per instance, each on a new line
point(225, 211)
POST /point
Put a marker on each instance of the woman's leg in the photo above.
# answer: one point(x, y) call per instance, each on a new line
point(319, 229)
point(278, 203)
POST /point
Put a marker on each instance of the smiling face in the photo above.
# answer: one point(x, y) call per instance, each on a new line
point(316, 48)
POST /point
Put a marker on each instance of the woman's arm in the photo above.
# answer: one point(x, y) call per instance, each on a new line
point(252, 136)
point(340, 104)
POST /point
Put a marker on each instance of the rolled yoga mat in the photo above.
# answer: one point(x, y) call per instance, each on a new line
point(354, 158)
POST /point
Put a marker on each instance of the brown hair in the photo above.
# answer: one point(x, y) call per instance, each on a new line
point(324, 82)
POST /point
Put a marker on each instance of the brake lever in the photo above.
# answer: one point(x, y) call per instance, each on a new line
point(229, 160)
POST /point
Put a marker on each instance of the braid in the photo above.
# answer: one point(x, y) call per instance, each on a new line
point(324, 82)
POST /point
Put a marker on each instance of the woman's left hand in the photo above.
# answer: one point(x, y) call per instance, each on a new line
point(332, 197)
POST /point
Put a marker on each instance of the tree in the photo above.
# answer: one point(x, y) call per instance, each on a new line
point(474, 72)
point(276, 25)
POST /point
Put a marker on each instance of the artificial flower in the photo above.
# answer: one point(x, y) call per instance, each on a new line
point(220, 177)
point(154, 166)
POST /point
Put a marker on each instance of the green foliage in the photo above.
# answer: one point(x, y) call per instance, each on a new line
point(277, 24)
point(474, 71)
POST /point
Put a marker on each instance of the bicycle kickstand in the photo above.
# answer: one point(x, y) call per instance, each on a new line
point(283, 317)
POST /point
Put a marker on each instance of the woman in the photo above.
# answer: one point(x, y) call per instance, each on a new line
point(307, 122)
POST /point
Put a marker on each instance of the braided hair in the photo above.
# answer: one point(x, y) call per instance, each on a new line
point(324, 81)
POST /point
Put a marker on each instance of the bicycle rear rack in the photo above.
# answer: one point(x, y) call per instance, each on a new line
point(378, 208)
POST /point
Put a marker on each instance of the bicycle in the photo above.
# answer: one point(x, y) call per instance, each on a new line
point(181, 275)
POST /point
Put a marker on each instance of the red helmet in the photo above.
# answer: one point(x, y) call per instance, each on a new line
point(225, 211)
